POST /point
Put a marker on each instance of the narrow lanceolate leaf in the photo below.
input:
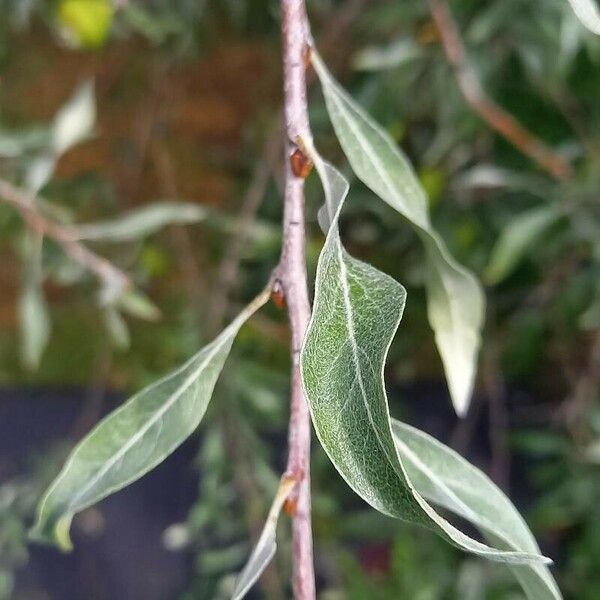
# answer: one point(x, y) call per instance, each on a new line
point(356, 312)
point(33, 311)
point(136, 437)
point(266, 546)
point(141, 222)
point(588, 13)
point(445, 478)
point(75, 121)
point(519, 235)
point(455, 299)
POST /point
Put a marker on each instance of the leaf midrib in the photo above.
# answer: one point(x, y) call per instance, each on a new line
point(143, 430)
point(353, 343)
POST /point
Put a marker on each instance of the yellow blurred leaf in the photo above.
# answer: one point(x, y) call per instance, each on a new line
point(86, 23)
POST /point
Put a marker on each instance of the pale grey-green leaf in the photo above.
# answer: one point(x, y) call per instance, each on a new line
point(517, 237)
point(75, 121)
point(33, 312)
point(141, 222)
point(455, 299)
point(267, 544)
point(35, 324)
point(138, 305)
point(356, 312)
point(39, 172)
point(136, 437)
point(117, 329)
point(588, 13)
point(445, 478)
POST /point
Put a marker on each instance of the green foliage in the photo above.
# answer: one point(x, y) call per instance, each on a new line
point(445, 478)
point(455, 300)
point(356, 313)
point(496, 212)
point(136, 437)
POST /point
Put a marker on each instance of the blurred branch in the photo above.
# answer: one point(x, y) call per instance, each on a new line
point(575, 409)
point(109, 275)
point(179, 234)
point(230, 265)
point(495, 116)
point(498, 417)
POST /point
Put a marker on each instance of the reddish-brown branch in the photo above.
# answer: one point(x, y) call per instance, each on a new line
point(112, 277)
point(495, 116)
point(291, 277)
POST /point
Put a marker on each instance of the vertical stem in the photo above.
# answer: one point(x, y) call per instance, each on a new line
point(291, 277)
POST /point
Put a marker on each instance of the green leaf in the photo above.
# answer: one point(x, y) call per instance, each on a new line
point(587, 12)
point(141, 222)
point(519, 235)
point(356, 312)
point(117, 329)
point(455, 301)
point(136, 437)
point(445, 478)
point(266, 546)
point(138, 305)
point(33, 312)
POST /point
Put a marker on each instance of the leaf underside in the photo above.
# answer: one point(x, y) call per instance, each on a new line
point(136, 437)
point(445, 478)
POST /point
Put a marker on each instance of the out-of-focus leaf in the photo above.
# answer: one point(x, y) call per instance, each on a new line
point(588, 13)
point(266, 546)
point(445, 478)
point(14, 144)
point(117, 328)
point(139, 306)
point(490, 177)
point(39, 172)
point(33, 312)
point(86, 23)
point(75, 120)
point(136, 437)
point(517, 237)
point(378, 58)
point(156, 27)
point(356, 312)
point(454, 297)
point(141, 222)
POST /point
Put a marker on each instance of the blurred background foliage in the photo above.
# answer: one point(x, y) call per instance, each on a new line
point(179, 102)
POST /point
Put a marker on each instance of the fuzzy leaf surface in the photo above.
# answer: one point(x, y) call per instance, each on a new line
point(455, 300)
point(356, 312)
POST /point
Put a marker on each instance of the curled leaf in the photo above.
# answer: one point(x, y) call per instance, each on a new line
point(356, 312)
point(445, 478)
point(266, 546)
point(455, 301)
